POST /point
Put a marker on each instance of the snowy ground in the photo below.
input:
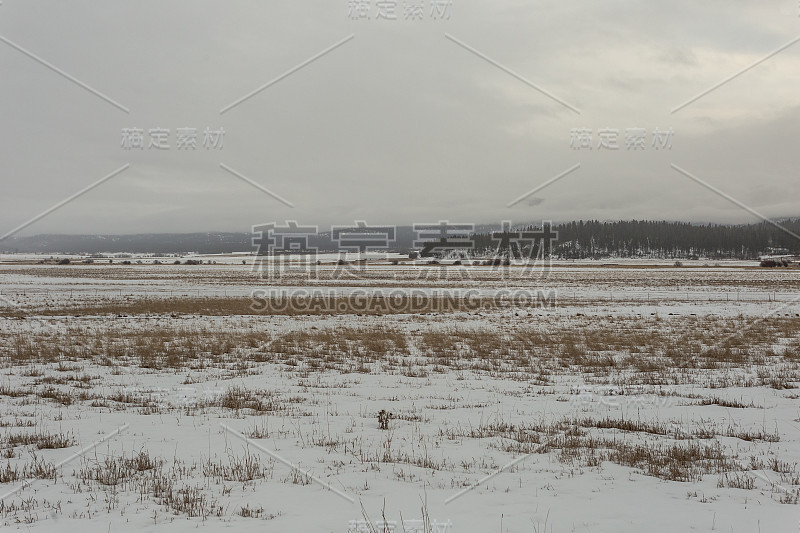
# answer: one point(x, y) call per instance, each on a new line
point(650, 398)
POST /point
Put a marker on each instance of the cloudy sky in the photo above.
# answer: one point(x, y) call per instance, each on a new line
point(407, 121)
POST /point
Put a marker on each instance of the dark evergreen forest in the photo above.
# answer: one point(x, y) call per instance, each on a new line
point(587, 239)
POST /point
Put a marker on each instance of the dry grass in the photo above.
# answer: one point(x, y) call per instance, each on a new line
point(153, 478)
point(677, 457)
point(314, 305)
point(41, 440)
point(541, 354)
point(633, 351)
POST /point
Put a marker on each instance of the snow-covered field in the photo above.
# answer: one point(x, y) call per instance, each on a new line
point(644, 397)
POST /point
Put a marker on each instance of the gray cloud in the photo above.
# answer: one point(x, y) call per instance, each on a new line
point(399, 125)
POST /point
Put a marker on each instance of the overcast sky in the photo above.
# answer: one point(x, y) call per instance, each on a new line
point(399, 124)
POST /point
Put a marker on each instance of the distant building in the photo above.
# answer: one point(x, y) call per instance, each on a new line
point(777, 251)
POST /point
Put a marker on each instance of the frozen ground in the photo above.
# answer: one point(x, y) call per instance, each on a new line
point(650, 398)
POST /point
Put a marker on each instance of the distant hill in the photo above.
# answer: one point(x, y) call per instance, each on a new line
point(174, 243)
point(164, 243)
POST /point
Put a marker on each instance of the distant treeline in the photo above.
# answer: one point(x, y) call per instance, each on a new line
point(576, 240)
point(587, 239)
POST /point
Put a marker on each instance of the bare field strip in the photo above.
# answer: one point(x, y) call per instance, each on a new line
point(568, 276)
point(293, 305)
point(376, 302)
